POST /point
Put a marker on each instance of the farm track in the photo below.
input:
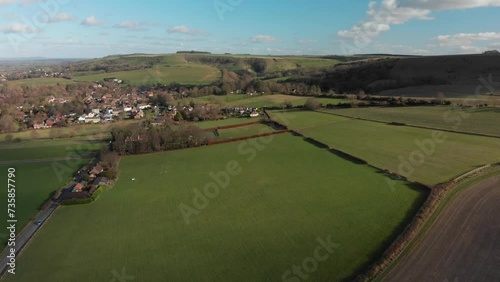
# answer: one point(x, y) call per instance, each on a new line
point(464, 242)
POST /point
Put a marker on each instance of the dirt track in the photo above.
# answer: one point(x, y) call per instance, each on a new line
point(463, 244)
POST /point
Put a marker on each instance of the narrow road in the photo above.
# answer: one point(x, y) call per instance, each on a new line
point(463, 244)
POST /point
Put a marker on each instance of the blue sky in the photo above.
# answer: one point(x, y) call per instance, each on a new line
point(91, 28)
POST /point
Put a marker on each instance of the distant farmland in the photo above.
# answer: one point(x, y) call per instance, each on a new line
point(42, 81)
point(474, 120)
point(180, 73)
point(286, 198)
point(259, 101)
point(394, 147)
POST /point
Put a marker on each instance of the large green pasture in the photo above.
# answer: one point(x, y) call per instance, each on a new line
point(285, 195)
point(405, 150)
point(44, 149)
point(91, 131)
point(474, 120)
point(243, 131)
point(42, 81)
point(187, 73)
point(224, 122)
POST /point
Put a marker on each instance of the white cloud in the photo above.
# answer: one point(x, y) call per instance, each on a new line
point(91, 21)
point(393, 12)
point(449, 4)
point(185, 30)
point(17, 28)
point(128, 25)
point(263, 39)
point(466, 38)
point(62, 17)
point(472, 49)
point(466, 42)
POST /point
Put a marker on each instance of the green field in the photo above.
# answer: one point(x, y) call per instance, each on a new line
point(266, 220)
point(225, 122)
point(42, 81)
point(259, 101)
point(34, 184)
point(243, 131)
point(393, 147)
point(180, 73)
point(37, 178)
point(474, 120)
point(93, 131)
point(43, 149)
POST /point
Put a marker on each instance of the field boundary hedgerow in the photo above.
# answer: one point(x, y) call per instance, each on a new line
point(246, 137)
point(410, 125)
point(441, 195)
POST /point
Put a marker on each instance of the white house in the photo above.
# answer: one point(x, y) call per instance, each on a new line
point(82, 118)
point(144, 106)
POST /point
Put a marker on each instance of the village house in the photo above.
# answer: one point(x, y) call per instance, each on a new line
point(78, 187)
point(139, 114)
point(96, 171)
point(39, 125)
point(92, 119)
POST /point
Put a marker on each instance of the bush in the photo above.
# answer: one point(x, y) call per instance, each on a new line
point(312, 104)
point(9, 137)
point(111, 173)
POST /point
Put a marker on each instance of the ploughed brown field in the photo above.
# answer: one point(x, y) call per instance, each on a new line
point(464, 242)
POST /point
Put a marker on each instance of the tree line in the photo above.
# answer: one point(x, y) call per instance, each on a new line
point(140, 139)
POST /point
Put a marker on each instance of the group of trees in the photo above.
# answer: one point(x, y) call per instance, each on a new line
point(137, 139)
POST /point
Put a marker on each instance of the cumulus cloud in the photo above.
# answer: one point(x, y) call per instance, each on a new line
point(466, 38)
point(466, 42)
point(263, 39)
point(62, 17)
point(91, 21)
point(185, 30)
point(381, 16)
point(17, 28)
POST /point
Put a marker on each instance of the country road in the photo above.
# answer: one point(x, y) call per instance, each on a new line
point(463, 244)
point(23, 238)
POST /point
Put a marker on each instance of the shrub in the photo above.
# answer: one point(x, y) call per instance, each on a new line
point(9, 137)
point(312, 104)
point(111, 173)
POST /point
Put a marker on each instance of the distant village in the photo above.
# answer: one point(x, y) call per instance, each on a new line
point(113, 106)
